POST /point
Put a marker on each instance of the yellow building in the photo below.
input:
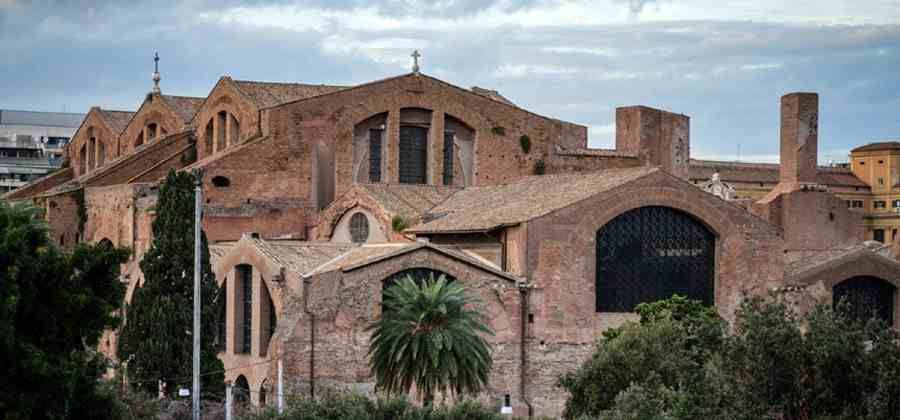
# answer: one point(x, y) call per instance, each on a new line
point(870, 184)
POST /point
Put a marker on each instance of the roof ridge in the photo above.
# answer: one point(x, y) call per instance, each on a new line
point(262, 82)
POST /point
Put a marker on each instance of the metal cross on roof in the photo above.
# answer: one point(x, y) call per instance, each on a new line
point(156, 72)
point(415, 55)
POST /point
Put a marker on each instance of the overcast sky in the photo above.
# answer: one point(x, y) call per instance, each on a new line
point(725, 63)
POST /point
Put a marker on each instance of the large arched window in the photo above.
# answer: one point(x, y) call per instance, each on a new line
point(221, 335)
point(208, 137)
point(151, 131)
point(864, 297)
point(651, 253)
point(244, 277)
point(82, 159)
point(413, 147)
point(140, 139)
point(418, 274)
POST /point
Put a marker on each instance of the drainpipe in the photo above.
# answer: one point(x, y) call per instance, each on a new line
point(523, 294)
point(312, 338)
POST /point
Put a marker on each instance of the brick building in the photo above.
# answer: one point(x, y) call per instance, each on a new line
point(317, 196)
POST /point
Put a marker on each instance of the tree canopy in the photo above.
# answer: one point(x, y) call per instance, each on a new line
point(679, 362)
point(156, 341)
point(54, 306)
point(431, 336)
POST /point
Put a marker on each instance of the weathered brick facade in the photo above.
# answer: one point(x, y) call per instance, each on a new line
point(294, 162)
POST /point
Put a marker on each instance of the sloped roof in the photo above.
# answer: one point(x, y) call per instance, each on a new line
point(117, 119)
point(409, 201)
point(799, 262)
point(268, 94)
point(766, 173)
point(492, 94)
point(486, 208)
point(184, 106)
point(365, 254)
point(299, 256)
point(882, 145)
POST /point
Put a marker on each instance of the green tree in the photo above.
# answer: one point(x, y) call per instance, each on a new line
point(156, 341)
point(54, 307)
point(429, 335)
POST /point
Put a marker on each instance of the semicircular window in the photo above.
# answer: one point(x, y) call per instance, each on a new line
point(865, 297)
point(359, 228)
point(221, 181)
point(651, 253)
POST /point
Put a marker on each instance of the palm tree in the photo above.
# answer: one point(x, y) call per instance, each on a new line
point(431, 336)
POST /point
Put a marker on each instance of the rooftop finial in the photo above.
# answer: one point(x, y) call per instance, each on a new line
point(415, 55)
point(156, 73)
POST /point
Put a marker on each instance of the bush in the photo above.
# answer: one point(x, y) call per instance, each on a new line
point(678, 363)
point(525, 142)
point(335, 405)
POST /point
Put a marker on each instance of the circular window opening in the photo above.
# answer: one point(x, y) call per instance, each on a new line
point(359, 228)
point(220, 181)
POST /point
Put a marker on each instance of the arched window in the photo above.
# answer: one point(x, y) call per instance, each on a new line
point(101, 154)
point(92, 153)
point(105, 243)
point(413, 154)
point(151, 131)
point(140, 139)
point(221, 181)
point(419, 275)
point(241, 391)
point(864, 297)
point(208, 137)
point(651, 253)
point(268, 317)
point(82, 159)
point(221, 120)
point(221, 336)
point(244, 277)
point(234, 130)
point(262, 394)
point(359, 228)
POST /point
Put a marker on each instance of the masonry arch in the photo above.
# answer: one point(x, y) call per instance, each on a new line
point(222, 130)
point(458, 152)
point(359, 224)
point(651, 253)
point(865, 297)
point(152, 130)
point(369, 141)
point(241, 391)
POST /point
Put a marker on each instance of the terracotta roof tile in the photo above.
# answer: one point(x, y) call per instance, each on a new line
point(882, 145)
point(801, 261)
point(301, 257)
point(268, 94)
point(117, 119)
point(490, 207)
point(766, 173)
point(492, 94)
point(184, 106)
point(408, 201)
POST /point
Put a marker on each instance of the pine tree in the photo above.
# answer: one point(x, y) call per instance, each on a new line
point(156, 341)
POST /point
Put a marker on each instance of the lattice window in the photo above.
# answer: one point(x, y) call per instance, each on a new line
point(375, 135)
point(449, 137)
point(865, 297)
point(245, 274)
point(413, 154)
point(359, 228)
point(651, 253)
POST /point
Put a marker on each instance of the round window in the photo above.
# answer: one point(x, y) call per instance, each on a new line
point(359, 228)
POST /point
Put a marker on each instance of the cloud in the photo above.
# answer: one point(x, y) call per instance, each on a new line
point(577, 60)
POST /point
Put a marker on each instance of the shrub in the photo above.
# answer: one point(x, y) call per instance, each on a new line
point(498, 130)
point(398, 224)
point(525, 142)
point(540, 167)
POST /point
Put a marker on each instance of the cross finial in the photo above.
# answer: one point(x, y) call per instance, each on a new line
point(156, 72)
point(415, 55)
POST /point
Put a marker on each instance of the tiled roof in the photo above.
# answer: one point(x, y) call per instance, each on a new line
point(184, 106)
point(268, 94)
point(882, 145)
point(408, 201)
point(766, 173)
point(301, 257)
point(597, 152)
point(493, 94)
point(117, 119)
point(366, 254)
point(801, 261)
point(490, 207)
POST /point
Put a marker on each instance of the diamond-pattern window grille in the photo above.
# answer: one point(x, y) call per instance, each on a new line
point(865, 297)
point(651, 253)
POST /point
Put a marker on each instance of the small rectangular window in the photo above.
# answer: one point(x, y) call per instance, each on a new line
point(881, 162)
point(879, 204)
point(857, 204)
point(878, 235)
point(862, 162)
point(880, 181)
point(895, 204)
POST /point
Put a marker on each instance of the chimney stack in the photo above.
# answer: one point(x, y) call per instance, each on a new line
point(799, 137)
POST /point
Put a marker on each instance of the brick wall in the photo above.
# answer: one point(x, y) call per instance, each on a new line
point(95, 125)
point(225, 97)
point(153, 110)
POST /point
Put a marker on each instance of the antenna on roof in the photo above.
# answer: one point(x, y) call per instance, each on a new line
point(156, 73)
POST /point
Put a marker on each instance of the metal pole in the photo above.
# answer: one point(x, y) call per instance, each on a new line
point(198, 213)
point(280, 387)
point(228, 400)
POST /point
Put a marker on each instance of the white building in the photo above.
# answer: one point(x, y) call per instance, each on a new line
point(32, 144)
